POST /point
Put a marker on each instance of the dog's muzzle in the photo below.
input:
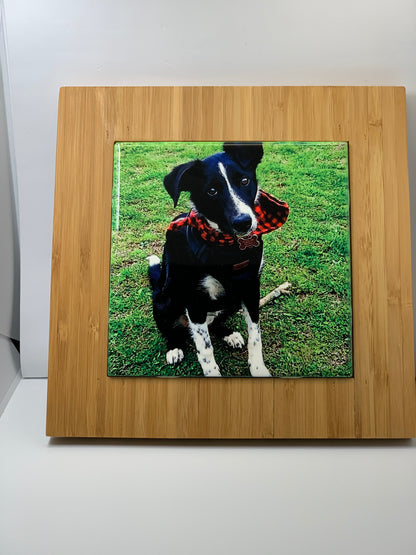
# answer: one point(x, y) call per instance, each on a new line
point(242, 224)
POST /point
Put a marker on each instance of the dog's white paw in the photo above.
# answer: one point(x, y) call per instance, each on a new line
point(174, 356)
point(259, 371)
point(234, 340)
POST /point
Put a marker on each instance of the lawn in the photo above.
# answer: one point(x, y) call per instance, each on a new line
point(307, 333)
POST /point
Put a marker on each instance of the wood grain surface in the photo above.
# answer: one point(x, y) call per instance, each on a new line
point(378, 402)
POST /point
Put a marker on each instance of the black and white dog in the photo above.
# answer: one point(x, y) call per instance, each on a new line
point(213, 256)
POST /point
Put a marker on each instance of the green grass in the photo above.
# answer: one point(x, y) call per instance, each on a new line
point(305, 334)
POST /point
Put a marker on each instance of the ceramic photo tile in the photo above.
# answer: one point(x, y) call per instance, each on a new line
point(230, 259)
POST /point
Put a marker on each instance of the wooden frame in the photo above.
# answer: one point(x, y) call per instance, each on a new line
point(378, 402)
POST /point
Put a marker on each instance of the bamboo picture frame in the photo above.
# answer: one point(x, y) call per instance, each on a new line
point(377, 402)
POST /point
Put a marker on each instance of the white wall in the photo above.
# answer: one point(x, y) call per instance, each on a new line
point(89, 42)
point(9, 245)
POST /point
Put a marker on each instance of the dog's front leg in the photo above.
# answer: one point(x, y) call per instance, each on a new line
point(255, 349)
point(202, 340)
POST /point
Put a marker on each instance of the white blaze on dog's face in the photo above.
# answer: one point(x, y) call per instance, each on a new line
point(243, 218)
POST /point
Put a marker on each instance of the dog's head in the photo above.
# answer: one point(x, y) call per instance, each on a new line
point(223, 186)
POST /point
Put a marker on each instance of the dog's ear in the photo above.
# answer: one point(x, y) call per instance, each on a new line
point(183, 178)
point(245, 154)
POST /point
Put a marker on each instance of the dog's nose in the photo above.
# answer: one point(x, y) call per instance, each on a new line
point(242, 223)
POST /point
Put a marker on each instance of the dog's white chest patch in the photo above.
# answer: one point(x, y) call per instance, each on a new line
point(213, 287)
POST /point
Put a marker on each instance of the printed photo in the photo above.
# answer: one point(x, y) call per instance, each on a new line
point(230, 259)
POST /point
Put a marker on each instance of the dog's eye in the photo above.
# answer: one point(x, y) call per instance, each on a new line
point(245, 181)
point(212, 192)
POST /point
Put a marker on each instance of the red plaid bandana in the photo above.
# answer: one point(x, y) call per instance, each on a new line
point(271, 214)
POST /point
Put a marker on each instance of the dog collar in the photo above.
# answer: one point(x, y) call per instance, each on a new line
point(271, 214)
